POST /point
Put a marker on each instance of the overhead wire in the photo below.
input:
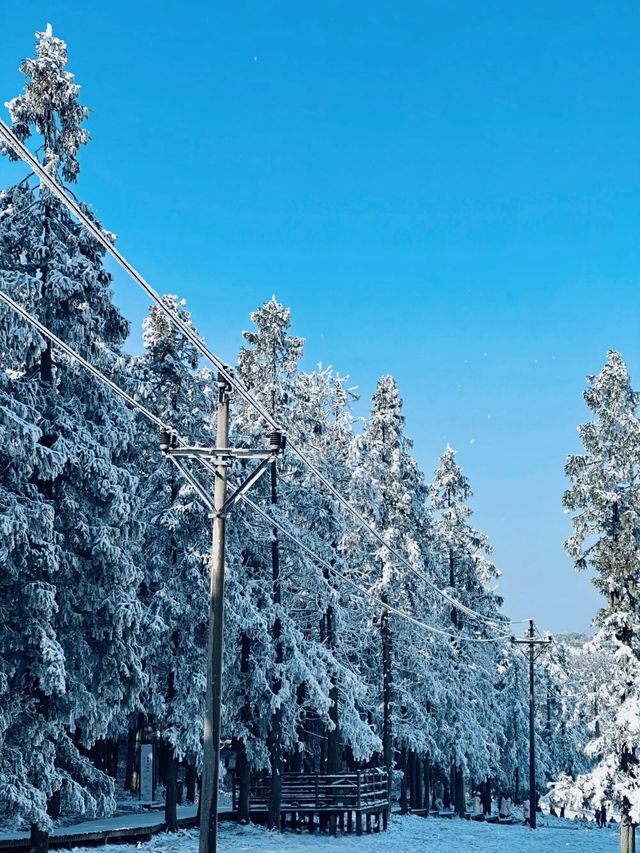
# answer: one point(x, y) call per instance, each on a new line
point(72, 205)
point(136, 405)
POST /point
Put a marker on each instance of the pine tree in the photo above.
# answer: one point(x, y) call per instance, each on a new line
point(275, 585)
point(389, 489)
point(474, 724)
point(176, 544)
point(324, 423)
point(74, 671)
point(605, 499)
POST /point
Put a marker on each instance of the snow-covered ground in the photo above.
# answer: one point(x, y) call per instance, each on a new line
point(406, 835)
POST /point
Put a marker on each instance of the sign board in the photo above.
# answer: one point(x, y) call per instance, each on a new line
point(146, 772)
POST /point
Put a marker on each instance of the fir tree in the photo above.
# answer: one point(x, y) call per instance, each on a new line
point(75, 662)
point(474, 723)
point(389, 489)
point(175, 589)
point(605, 499)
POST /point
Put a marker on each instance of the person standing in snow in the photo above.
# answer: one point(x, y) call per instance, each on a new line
point(505, 807)
point(526, 812)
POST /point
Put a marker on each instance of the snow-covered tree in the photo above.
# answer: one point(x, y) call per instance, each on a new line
point(605, 499)
point(71, 666)
point(324, 425)
point(175, 588)
point(474, 720)
point(288, 667)
point(388, 488)
point(513, 687)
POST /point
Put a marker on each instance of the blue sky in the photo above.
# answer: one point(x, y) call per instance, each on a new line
point(448, 192)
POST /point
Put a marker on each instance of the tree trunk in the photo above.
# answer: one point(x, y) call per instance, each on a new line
point(411, 778)
point(427, 785)
point(242, 766)
point(275, 739)
point(244, 784)
point(334, 763)
point(39, 842)
point(190, 781)
point(459, 793)
point(133, 754)
point(403, 784)
point(131, 758)
point(516, 798)
point(387, 692)
point(171, 795)
point(416, 787)
point(162, 753)
point(627, 835)
point(53, 805)
point(334, 757)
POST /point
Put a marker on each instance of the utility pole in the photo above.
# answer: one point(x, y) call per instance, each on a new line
point(221, 456)
point(532, 656)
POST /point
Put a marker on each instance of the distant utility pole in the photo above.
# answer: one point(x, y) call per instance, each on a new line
point(221, 456)
point(532, 656)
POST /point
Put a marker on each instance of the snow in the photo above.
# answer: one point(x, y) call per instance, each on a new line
point(407, 834)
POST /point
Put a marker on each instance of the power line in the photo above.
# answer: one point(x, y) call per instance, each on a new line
point(136, 405)
point(47, 333)
point(60, 192)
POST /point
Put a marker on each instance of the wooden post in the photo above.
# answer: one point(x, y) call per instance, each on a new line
point(358, 804)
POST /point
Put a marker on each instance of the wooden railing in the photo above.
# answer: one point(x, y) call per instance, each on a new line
point(364, 790)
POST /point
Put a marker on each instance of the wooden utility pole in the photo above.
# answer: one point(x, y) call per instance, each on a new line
point(221, 456)
point(387, 698)
point(531, 643)
point(275, 736)
point(211, 748)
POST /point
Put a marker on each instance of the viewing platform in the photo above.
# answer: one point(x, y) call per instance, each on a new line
point(324, 801)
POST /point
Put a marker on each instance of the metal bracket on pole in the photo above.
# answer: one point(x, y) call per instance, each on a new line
point(221, 456)
point(250, 481)
point(193, 482)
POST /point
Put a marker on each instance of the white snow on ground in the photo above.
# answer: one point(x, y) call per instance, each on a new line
point(405, 835)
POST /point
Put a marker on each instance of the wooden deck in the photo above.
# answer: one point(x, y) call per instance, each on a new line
point(343, 800)
point(112, 830)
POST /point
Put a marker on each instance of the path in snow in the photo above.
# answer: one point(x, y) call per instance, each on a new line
point(120, 823)
point(406, 835)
